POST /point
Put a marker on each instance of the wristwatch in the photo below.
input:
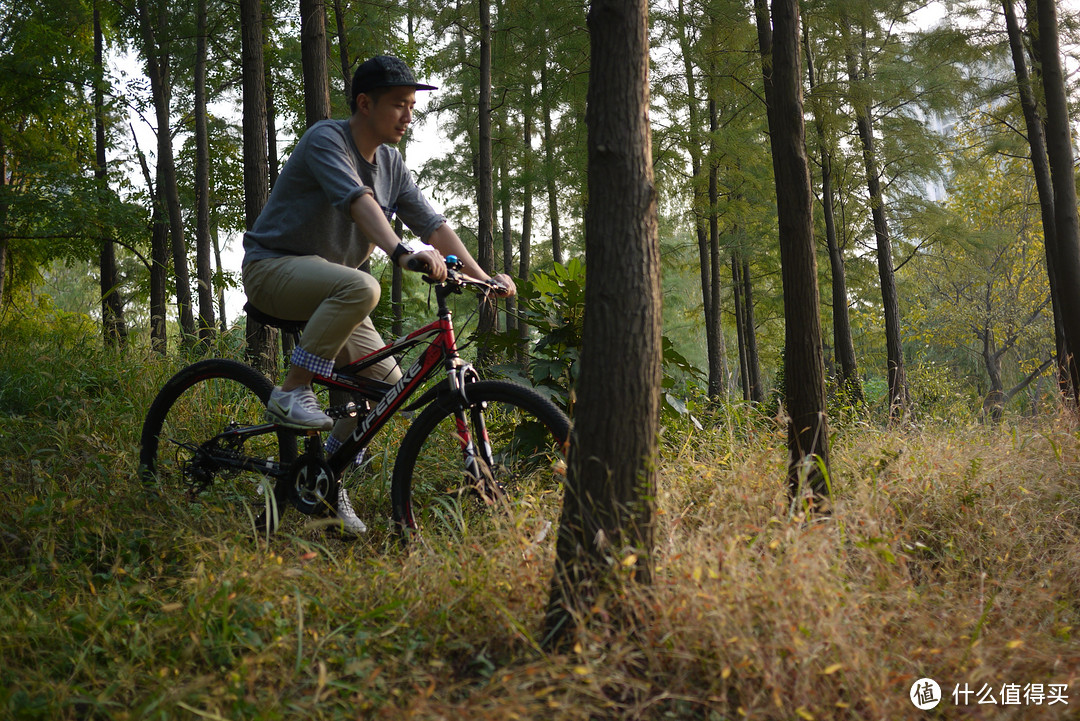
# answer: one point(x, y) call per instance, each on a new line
point(399, 251)
point(405, 249)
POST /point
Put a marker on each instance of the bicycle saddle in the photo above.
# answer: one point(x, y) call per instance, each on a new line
point(288, 326)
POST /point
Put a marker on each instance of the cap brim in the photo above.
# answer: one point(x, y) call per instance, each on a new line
point(419, 86)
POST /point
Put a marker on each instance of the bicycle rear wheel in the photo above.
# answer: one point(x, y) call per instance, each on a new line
point(205, 437)
point(524, 454)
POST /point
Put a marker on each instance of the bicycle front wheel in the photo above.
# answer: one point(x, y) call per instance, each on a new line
point(500, 442)
point(205, 437)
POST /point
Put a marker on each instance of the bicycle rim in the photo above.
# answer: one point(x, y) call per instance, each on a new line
point(204, 441)
point(435, 487)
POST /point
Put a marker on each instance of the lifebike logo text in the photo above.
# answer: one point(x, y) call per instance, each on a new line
point(388, 400)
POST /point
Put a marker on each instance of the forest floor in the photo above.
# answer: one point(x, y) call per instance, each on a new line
point(952, 554)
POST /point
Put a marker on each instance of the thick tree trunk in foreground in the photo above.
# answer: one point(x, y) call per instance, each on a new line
point(606, 529)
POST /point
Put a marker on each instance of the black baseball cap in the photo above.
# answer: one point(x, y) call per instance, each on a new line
point(383, 71)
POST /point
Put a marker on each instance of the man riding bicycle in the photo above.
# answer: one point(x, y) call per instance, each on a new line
point(331, 205)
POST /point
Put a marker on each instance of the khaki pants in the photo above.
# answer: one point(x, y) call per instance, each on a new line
point(335, 300)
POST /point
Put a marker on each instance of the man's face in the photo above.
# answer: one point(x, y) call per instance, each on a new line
point(391, 114)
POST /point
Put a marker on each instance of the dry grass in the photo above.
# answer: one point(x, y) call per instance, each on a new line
point(952, 553)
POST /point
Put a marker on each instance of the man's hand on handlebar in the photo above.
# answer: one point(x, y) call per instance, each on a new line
point(428, 262)
point(505, 287)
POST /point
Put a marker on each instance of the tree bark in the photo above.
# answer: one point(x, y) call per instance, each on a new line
point(606, 525)
point(1059, 150)
point(507, 236)
point(848, 383)
point(313, 60)
point(113, 328)
point(157, 67)
point(343, 46)
point(261, 340)
point(485, 200)
point(804, 372)
point(740, 323)
point(203, 274)
point(753, 360)
point(525, 244)
point(550, 169)
point(159, 256)
point(899, 400)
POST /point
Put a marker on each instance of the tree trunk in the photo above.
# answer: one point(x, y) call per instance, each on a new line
point(485, 255)
point(159, 274)
point(606, 529)
point(343, 46)
point(3, 220)
point(550, 170)
point(708, 254)
point(740, 323)
point(159, 257)
point(849, 385)
point(897, 376)
point(525, 244)
point(261, 340)
point(223, 321)
point(313, 60)
point(753, 360)
point(714, 328)
point(1059, 150)
point(1067, 371)
point(203, 274)
point(157, 67)
point(804, 372)
point(113, 328)
point(507, 233)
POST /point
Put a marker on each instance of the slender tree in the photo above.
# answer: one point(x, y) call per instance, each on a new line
point(202, 182)
point(899, 400)
point(1068, 372)
point(113, 326)
point(158, 69)
point(607, 518)
point(804, 371)
point(848, 381)
point(313, 60)
point(485, 190)
point(1059, 150)
point(261, 340)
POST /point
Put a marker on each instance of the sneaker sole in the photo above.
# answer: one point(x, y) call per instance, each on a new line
point(282, 421)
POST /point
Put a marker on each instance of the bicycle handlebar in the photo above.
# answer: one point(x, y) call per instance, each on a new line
point(454, 277)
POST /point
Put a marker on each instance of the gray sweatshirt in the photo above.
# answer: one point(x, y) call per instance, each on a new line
point(308, 210)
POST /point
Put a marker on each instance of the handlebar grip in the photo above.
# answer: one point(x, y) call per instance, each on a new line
point(417, 265)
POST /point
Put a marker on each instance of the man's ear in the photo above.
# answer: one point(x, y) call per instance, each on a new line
point(363, 102)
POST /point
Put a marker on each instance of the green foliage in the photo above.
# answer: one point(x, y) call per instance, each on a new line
point(553, 304)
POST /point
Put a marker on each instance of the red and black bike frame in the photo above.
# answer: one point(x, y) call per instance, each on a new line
point(385, 399)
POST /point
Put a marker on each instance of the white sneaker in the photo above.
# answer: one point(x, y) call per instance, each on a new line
point(351, 525)
point(298, 408)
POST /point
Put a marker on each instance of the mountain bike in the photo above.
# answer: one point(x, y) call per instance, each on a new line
point(206, 433)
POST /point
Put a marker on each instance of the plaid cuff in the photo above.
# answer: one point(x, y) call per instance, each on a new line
point(313, 363)
point(332, 444)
